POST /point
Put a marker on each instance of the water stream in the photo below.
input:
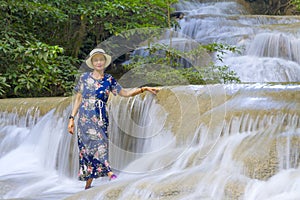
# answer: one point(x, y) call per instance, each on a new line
point(214, 142)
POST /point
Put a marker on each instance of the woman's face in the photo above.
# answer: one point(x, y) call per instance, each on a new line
point(98, 61)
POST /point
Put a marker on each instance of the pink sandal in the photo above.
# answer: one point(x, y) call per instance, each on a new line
point(112, 177)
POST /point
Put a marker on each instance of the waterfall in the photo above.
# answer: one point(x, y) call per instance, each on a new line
point(35, 150)
point(269, 44)
point(188, 142)
point(228, 141)
point(139, 122)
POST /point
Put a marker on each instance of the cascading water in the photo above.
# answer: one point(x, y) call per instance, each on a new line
point(188, 142)
point(270, 46)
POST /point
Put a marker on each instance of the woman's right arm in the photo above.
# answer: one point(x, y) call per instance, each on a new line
point(77, 103)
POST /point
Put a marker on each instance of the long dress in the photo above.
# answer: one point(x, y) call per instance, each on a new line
point(92, 124)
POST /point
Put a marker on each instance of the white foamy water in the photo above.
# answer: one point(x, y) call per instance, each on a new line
point(188, 142)
point(269, 45)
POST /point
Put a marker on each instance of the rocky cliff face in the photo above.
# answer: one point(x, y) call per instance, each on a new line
point(270, 7)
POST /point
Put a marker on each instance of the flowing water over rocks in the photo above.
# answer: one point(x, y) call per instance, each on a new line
point(188, 142)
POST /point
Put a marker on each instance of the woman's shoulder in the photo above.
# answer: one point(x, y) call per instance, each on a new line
point(85, 74)
point(108, 76)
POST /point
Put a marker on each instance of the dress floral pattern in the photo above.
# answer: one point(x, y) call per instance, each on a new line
point(92, 124)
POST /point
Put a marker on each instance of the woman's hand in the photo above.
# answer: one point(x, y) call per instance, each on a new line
point(136, 91)
point(153, 90)
point(71, 126)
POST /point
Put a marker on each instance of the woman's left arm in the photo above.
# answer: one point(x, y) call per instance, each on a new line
point(136, 91)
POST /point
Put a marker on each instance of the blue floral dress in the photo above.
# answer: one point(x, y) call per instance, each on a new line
point(92, 124)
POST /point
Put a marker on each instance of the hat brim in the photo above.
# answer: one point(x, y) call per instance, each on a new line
point(90, 64)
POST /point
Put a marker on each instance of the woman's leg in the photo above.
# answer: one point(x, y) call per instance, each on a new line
point(88, 183)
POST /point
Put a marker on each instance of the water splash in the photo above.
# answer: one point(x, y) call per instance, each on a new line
point(188, 142)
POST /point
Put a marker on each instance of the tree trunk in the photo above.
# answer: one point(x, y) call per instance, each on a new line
point(79, 37)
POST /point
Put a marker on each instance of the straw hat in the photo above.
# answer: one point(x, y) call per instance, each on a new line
point(98, 51)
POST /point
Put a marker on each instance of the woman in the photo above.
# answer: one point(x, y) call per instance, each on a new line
point(92, 93)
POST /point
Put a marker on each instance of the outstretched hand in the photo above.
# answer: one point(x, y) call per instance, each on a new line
point(153, 90)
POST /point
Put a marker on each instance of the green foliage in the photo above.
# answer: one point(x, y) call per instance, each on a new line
point(220, 49)
point(98, 20)
point(41, 41)
point(296, 3)
point(3, 85)
point(31, 67)
point(39, 70)
point(31, 17)
point(223, 72)
point(164, 66)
